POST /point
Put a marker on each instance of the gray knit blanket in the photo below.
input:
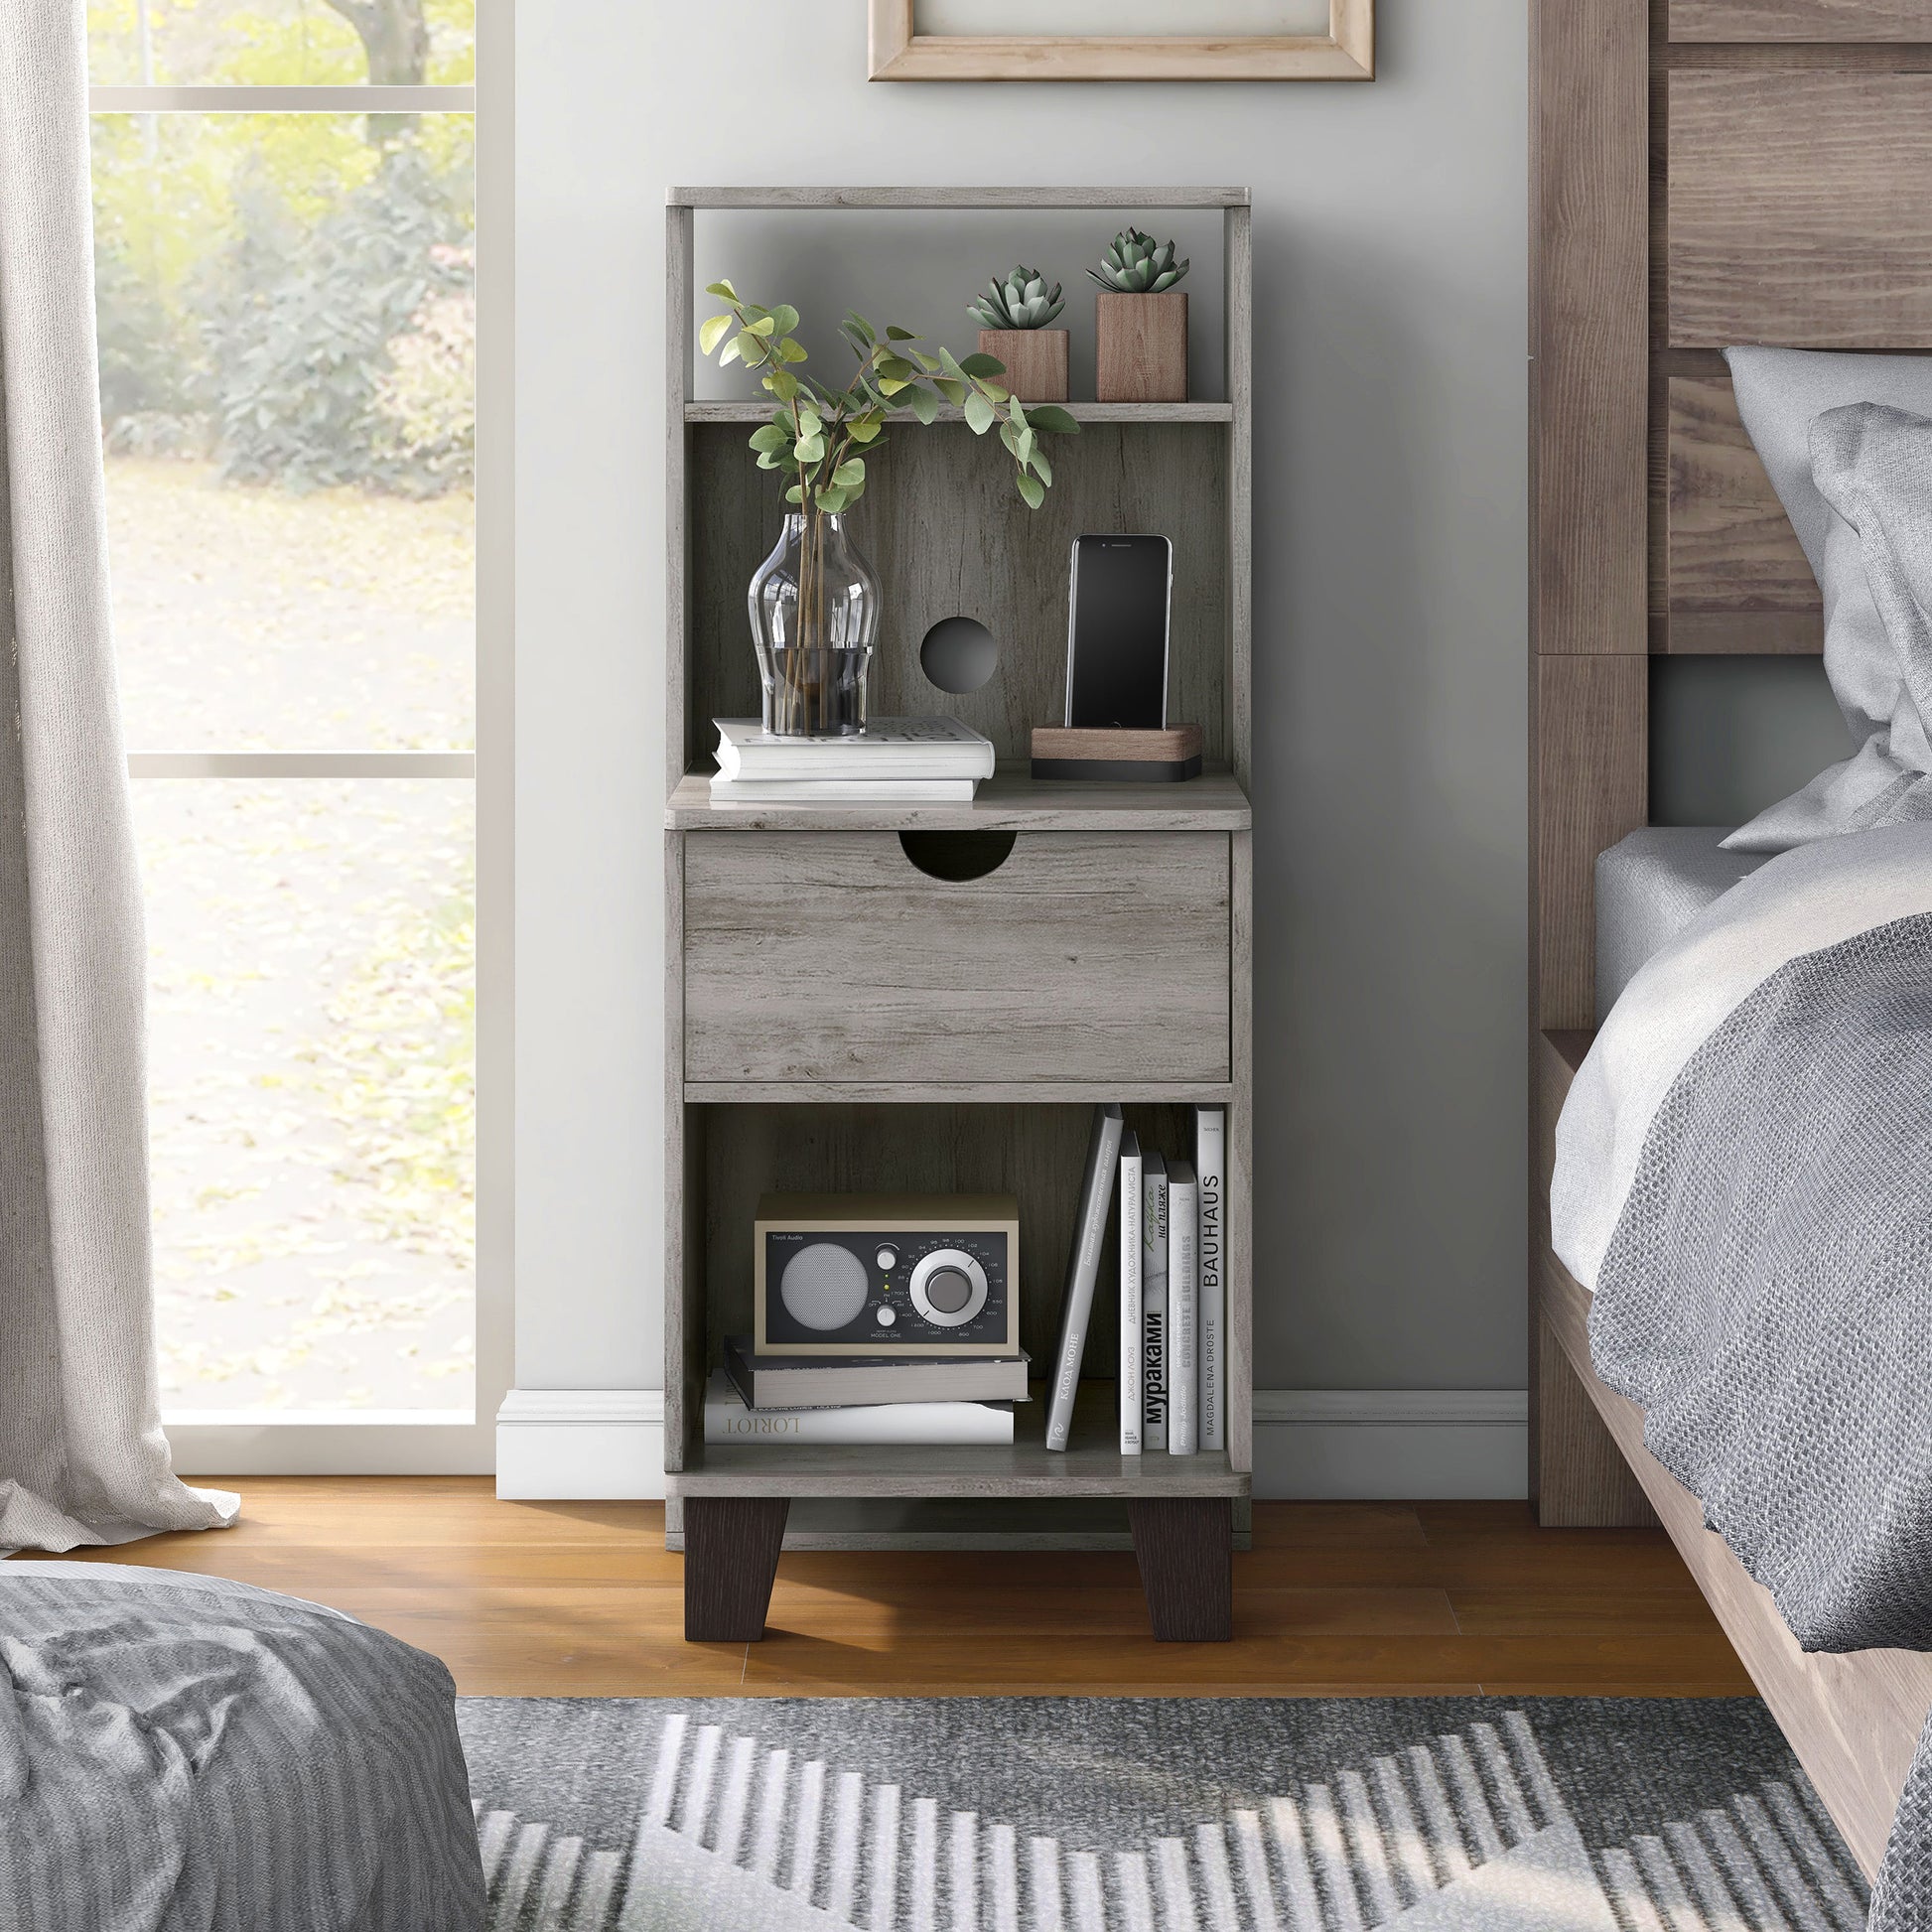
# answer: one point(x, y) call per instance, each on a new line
point(1748, 1193)
point(180, 1752)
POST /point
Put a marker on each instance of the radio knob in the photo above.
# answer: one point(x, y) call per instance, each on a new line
point(888, 1259)
point(948, 1286)
point(885, 1317)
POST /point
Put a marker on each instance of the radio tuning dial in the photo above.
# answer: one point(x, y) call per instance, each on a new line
point(948, 1286)
point(888, 1259)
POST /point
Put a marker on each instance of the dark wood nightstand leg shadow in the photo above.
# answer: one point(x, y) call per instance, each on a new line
point(1185, 1546)
point(730, 1557)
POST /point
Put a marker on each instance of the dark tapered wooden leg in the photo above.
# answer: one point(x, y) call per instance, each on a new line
point(730, 1557)
point(1185, 1546)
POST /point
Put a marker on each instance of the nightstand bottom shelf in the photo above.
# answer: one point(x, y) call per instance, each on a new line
point(736, 1498)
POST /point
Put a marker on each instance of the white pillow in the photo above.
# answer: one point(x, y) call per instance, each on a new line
point(1853, 492)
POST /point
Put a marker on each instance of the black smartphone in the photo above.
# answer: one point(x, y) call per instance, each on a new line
point(1117, 632)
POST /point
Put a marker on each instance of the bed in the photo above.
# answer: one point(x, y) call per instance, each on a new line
point(180, 1751)
point(1707, 173)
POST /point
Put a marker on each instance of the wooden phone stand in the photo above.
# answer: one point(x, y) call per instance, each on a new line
point(1117, 757)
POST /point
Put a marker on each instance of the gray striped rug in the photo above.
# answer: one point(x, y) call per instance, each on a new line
point(1150, 1814)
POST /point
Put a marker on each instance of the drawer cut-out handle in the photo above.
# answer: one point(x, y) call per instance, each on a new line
point(957, 856)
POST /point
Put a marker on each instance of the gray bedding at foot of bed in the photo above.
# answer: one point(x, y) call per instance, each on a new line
point(179, 1751)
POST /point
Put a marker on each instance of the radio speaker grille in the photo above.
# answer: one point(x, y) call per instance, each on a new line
point(823, 1286)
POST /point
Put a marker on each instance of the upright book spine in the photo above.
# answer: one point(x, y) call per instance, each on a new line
point(1210, 1177)
point(1154, 1351)
point(1082, 1267)
point(1130, 1296)
point(1184, 1312)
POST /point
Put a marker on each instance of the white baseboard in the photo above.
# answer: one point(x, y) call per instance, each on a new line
point(1319, 1445)
point(1381, 1444)
point(580, 1445)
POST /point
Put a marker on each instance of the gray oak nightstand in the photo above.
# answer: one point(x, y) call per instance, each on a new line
point(845, 1012)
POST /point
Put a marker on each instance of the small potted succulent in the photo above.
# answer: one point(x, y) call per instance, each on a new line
point(1139, 322)
point(1016, 312)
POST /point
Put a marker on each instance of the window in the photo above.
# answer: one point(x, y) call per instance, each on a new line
point(286, 288)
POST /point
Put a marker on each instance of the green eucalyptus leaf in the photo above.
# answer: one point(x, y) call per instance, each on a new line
point(1050, 416)
point(809, 448)
point(954, 393)
point(1031, 488)
point(982, 365)
point(722, 289)
point(796, 495)
point(991, 390)
point(1041, 468)
point(831, 498)
point(782, 384)
point(889, 386)
point(786, 318)
point(768, 436)
point(766, 461)
point(865, 428)
point(1011, 437)
point(947, 363)
point(1018, 411)
point(925, 405)
point(979, 414)
point(792, 350)
point(730, 352)
point(865, 328)
point(1023, 444)
point(749, 345)
point(851, 471)
point(896, 334)
point(713, 332)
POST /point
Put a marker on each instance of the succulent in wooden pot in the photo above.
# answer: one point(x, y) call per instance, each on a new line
point(1139, 322)
point(1015, 314)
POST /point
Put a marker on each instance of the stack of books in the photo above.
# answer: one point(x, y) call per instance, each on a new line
point(780, 1399)
point(1173, 1290)
point(897, 760)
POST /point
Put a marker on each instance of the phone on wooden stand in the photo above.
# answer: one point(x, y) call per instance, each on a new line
point(1116, 632)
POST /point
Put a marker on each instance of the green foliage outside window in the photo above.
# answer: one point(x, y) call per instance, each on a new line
point(290, 293)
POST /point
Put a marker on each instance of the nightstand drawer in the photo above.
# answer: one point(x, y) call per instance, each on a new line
point(1084, 956)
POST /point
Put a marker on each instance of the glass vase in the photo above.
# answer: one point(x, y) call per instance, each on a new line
point(814, 605)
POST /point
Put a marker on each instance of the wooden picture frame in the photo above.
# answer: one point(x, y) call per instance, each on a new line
point(1346, 52)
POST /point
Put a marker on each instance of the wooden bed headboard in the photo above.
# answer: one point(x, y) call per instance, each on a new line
point(1704, 173)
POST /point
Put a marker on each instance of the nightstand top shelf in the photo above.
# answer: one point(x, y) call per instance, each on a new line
point(747, 409)
point(1010, 800)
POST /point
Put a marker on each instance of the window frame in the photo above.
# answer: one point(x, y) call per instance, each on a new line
point(255, 1442)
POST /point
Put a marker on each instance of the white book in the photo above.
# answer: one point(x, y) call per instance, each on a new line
point(1082, 1269)
point(1153, 1303)
point(1211, 1175)
point(1129, 1295)
point(904, 1424)
point(1184, 1295)
point(888, 748)
point(843, 791)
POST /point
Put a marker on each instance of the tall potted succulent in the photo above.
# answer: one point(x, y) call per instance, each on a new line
point(1015, 314)
point(1139, 322)
point(814, 602)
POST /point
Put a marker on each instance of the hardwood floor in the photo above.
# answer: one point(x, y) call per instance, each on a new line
point(581, 1600)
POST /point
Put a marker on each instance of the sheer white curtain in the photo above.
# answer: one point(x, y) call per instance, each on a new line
point(83, 1459)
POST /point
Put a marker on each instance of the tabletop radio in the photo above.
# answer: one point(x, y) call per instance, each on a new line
point(887, 1273)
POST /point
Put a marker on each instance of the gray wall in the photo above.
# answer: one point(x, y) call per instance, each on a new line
point(1390, 682)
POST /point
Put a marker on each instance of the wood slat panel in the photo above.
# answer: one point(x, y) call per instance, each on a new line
point(1589, 413)
point(1801, 20)
point(1800, 209)
point(1735, 578)
point(1855, 1719)
point(1591, 780)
